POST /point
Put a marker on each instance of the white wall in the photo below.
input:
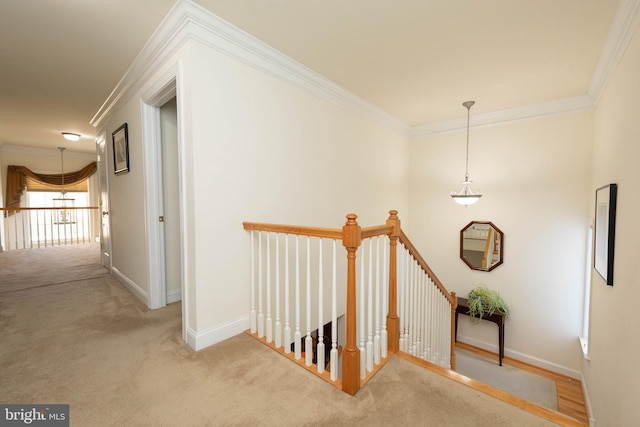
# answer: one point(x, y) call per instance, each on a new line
point(126, 201)
point(614, 344)
point(535, 177)
point(266, 151)
point(254, 148)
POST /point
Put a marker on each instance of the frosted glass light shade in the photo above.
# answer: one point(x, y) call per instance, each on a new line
point(466, 196)
point(71, 136)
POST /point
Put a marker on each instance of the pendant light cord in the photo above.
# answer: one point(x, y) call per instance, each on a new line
point(62, 169)
point(468, 105)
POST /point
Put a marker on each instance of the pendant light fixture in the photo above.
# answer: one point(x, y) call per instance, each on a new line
point(466, 196)
point(64, 215)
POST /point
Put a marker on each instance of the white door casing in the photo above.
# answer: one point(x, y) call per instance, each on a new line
point(103, 205)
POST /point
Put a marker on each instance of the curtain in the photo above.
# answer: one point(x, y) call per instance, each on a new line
point(17, 177)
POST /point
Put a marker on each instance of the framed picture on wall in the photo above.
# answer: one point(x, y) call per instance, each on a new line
point(605, 233)
point(120, 150)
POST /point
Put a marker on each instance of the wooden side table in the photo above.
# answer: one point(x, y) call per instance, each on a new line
point(497, 318)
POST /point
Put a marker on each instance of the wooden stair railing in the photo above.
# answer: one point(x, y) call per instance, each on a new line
point(352, 235)
point(450, 296)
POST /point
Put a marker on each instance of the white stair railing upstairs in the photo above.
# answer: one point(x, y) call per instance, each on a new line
point(425, 308)
point(38, 227)
point(305, 299)
point(295, 292)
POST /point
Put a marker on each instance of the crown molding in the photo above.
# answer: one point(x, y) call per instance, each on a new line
point(561, 106)
point(623, 27)
point(40, 151)
point(189, 21)
point(165, 41)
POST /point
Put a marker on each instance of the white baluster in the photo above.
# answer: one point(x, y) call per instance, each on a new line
point(376, 337)
point(361, 323)
point(260, 313)
point(278, 327)
point(401, 297)
point(320, 348)
point(419, 312)
point(254, 319)
point(407, 309)
point(385, 297)
point(432, 321)
point(426, 316)
point(308, 343)
point(287, 308)
point(333, 356)
point(410, 273)
point(297, 346)
point(414, 311)
point(269, 327)
point(446, 339)
point(370, 310)
point(436, 332)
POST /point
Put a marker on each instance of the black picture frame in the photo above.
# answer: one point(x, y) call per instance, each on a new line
point(605, 231)
point(120, 138)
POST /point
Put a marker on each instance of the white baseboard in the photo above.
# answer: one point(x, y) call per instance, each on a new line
point(587, 402)
point(174, 296)
point(140, 293)
point(200, 340)
point(522, 357)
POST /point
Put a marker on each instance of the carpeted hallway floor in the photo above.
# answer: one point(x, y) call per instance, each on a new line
point(93, 345)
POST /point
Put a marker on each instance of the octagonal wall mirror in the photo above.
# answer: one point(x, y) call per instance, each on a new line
point(481, 245)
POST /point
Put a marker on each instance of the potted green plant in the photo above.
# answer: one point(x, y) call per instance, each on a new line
point(483, 301)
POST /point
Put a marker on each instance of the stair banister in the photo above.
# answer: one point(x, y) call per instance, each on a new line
point(352, 236)
point(451, 297)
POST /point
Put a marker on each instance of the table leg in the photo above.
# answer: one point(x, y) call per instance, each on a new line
point(455, 336)
point(501, 340)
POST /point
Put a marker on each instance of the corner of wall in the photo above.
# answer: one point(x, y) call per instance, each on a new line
point(136, 290)
point(199, 340)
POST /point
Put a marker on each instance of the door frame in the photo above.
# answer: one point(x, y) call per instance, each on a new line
point(103, 189)
point(165, 88)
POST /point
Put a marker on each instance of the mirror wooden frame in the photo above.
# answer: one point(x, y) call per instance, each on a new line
point(487, 244)
point(605, 232)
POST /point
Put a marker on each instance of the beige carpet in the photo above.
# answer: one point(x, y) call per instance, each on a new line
point(93, 345)
point(534, 388)
point(28, 268)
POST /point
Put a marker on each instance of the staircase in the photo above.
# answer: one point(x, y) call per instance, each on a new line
point(380, 299)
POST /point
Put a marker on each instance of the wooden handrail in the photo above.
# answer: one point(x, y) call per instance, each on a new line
point(49, 208)
point(423, 264)
point(328, 233)
point(486, 260)
point(377, 230)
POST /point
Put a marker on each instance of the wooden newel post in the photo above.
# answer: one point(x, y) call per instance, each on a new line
point(453, 331)
point(393, 322)
point(351, 238)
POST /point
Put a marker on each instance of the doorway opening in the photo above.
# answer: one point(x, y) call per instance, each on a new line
point(163, 197)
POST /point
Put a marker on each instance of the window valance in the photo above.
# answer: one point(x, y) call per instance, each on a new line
point(19, 176)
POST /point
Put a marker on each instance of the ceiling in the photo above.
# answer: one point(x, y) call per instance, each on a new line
point(416, 60)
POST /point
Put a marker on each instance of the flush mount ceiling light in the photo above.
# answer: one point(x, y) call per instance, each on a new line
point(466, 196)
point(71, 136)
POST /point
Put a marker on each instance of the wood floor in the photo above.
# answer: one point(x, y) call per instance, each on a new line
point(570, 396)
